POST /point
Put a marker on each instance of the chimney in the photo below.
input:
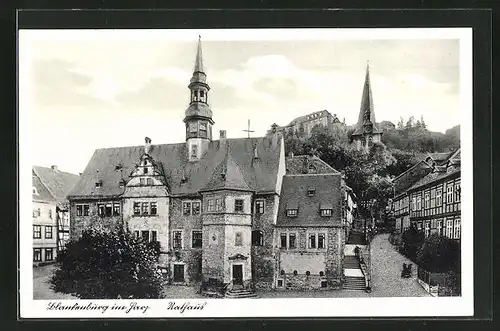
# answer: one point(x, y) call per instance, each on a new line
point(54, 167)
point(147, 145)
point(222, 134)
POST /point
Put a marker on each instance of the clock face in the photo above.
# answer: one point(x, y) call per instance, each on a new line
point(193, 127)
point(368, 129)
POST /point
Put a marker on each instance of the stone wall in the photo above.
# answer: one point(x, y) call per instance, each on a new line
point(263, 261)
point(186, 223)
point(302, 282)
point(93, 220)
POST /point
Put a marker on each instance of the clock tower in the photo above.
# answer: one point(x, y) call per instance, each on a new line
point(198, 116)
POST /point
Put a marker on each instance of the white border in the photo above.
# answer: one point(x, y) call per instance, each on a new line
point(351, 307)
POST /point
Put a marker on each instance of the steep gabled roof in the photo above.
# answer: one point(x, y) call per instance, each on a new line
point(259, 174)
point(294, 195)
point(41, 193)
point(408, 178)
point(58, 183)
point(300, 165)
point(227, 175)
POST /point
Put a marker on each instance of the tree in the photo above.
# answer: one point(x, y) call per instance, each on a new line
point(410, 123)
point(439, 254)
point(401, 124)
point(105, 265)
point(422, 123)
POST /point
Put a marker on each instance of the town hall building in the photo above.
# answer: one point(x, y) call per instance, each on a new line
point(235, 212)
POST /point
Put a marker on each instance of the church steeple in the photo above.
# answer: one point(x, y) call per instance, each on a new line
point(366, 129)
point(198, 115)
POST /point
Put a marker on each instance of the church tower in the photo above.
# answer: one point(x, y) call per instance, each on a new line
point(366, 132)
point(198, 116)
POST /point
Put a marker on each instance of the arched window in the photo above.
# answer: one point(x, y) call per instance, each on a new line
point(257, 238)
point(295, 272)
point(308, 273)
point(282, 272)
point(321, 273)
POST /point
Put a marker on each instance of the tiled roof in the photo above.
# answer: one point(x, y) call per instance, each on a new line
point(434, 177)
point(294, 194)
point(411, 176)
point(259, 174)
point(58, 183)
point(42, 193)
point(227, 175)
point(300, 165)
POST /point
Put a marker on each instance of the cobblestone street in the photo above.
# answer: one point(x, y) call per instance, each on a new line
point(387, 264)
point(41, 286)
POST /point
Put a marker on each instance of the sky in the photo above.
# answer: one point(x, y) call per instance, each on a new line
point(90, 89)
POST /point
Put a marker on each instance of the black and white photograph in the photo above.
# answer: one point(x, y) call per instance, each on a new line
point(301, 172)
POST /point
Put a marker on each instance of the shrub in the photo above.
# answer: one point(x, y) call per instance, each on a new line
point(412, 240)
point(439, 254)
point(103, 265)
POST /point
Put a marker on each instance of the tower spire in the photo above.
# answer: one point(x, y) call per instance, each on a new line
point(198, 65)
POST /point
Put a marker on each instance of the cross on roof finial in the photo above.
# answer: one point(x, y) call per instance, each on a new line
point(248, 129)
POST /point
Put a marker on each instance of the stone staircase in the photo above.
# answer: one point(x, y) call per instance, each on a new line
point(239, 293)
point(351, 262)
point(354, 283)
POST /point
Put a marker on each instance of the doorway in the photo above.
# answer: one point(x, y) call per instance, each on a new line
point(237, 274)
point(178, 273)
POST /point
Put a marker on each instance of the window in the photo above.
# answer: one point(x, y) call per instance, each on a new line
point(291, 212)
point(457, 192)
point(142, 181)
point(257, 238)
point(154, 235)
point(419, 203)
point(456, 229)
point(193, 127)
point(238, 205)
point(186, 208)
point(79, 210)
point(136, 234)
point(194, 150)
point(439, 226)
point(137, 208)
point(122, 183)
point(196, 207)
point(98, 183)
point(311, 191)
point(86, 210)
point(427, 229)
point(292, 243)
point(449, 194)
point(259, 207)
point(154, 208)
point(48, 232)
point(312, 241)
point(280, 283)
point(48, 254)
point(145, 235)
point(326, 212)
point(36, 212)
point(321, 241)
point(146, 170)
point(145, 208)
point(109, 209)
point(219, 204)
point(34, 190)
point(116, 208)
point(238, 239)
point(449, 228)
point(414, 203)
point(210, 205)
point(308, 273)
point(439, 200)
point(50, 213)
point(177, 240)
point(433, 198)
point(426, 201)
point(149, 181)
point(196, 239)
point(283, 240)
point(37, 254)
point(37, 231)
point(100, 210)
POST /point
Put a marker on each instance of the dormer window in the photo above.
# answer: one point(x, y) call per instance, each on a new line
point(122, 183)
point(311, 191)
point(291, 212)
point(34, 190)
point(118, 167)
point(98, 183)
point(326, 212)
